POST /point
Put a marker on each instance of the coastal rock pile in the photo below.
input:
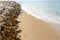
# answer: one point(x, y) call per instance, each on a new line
point(9, 12)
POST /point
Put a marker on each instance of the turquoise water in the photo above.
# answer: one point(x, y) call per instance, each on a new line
point(48, 5)
point(46, 10)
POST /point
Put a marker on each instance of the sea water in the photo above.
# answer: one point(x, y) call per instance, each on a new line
point(48, 11)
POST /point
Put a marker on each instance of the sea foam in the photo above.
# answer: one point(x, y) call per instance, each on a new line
point(41, 13)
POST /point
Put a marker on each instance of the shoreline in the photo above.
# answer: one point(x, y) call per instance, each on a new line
point(34, 29)
point(55, 26)
point(53, 18)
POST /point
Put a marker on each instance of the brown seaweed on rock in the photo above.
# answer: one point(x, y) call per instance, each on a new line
point(9, 11)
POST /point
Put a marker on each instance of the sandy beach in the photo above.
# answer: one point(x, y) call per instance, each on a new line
point(34, 29)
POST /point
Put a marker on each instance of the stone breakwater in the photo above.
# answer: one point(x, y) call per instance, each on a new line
point(9, 12)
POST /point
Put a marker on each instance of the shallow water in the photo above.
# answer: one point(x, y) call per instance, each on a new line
point(45, 10)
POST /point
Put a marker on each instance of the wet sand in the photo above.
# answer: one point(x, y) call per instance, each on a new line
point(34, 29)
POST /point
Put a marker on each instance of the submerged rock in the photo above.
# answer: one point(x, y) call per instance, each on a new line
point(9, 11)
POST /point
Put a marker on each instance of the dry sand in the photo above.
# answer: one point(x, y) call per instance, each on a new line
point(34, 29)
